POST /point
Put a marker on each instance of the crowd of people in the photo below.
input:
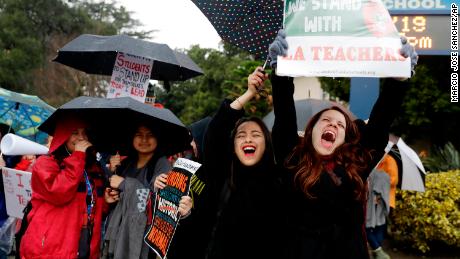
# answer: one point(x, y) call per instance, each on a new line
point(259, 194)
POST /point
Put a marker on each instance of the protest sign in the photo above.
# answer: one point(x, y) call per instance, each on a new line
point(166, 211)
point(349, 38)
point(17, 191)
point(130, 77)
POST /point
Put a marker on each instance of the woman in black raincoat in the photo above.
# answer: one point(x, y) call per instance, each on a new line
point(328, 168)
point(238, 157)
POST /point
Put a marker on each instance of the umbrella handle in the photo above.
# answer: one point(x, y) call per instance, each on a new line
point(260, 90)
point(265, 63)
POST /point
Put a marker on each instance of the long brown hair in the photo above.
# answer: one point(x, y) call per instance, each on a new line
point(308, 164)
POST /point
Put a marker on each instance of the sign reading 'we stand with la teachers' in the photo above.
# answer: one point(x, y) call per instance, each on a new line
point(349, 38)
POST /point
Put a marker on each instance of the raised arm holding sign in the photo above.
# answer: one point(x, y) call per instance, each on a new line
point(355, 38)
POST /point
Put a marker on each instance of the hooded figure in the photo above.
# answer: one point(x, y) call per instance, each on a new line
point(67, 199)
point(191, 238)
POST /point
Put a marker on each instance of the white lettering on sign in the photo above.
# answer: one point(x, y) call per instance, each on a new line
point(298, 5)
point(323, 23)
point(350, 5)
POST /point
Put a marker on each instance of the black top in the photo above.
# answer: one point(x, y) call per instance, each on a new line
point(248, 204)
point(330, 226)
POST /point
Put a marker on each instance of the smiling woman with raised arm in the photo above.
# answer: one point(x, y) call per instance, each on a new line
point(238, 157)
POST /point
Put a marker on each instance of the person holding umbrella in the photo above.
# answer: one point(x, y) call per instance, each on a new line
point(326, 170)
point(68, 197)
point(242, 183)
point(134, 178)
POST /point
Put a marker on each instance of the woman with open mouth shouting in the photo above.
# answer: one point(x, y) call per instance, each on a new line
point(327, 170)
point(240, 164)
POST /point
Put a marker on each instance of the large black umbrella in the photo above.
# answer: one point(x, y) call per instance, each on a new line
point(305, 110)
point(112, 122)
point(96, 54)
point(248, 24)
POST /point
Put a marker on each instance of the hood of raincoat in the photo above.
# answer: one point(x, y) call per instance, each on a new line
point(63, 130)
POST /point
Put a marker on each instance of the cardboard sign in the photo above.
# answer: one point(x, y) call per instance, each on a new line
point(349, 38)
point(166, 211)
point(130, 77)
point(17, 191)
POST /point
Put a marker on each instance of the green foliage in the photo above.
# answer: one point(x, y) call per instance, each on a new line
point(225, 76)
point(443, 159)
point(433, 216)
point(108, 19)
point(336, 87)
point(31, 32)
point(425, 99)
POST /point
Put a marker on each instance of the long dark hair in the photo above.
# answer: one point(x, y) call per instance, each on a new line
point(267, 160)
point(308, 164)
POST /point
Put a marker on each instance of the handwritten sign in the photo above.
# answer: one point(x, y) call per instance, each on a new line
point(17, 191)
point(130, 77)
point(353, 38)
point(166, 211)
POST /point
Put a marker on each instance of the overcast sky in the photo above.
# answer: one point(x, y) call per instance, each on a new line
point(180, 22)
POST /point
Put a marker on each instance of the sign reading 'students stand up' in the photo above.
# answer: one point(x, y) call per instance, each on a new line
point(346, 38)
point(130, 77)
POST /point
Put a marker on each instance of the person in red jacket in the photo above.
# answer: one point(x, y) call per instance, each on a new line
point(68, 198)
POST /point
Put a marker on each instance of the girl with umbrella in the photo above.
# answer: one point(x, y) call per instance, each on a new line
point(134, 178)
point(328, 168)
point(67, 199)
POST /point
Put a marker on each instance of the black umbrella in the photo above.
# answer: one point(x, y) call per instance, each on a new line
point(112, 123)
point(305, 110)
point(96, 54)
point(248, 24)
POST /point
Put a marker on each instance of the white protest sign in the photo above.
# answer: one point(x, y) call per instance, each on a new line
point(346, 38)
point(130, 77)
point(17, 190)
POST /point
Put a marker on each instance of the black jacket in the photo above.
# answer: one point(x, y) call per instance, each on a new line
point(332, 225)
point(247, 198)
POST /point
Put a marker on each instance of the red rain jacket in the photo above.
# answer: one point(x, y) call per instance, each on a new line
point(59, 207)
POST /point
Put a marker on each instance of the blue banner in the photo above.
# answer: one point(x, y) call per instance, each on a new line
point(363, 94)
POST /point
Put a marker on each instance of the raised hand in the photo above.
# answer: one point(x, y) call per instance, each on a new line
point(115, 161)
point(408, 50)
point(256, 80)
point(82, 145)
point(278, 47)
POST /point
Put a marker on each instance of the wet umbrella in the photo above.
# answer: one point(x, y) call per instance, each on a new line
point(305, 110)
point(410, 168)
point(112, 120)
point(248, 24)
point(23, 113)
point(96, 54)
